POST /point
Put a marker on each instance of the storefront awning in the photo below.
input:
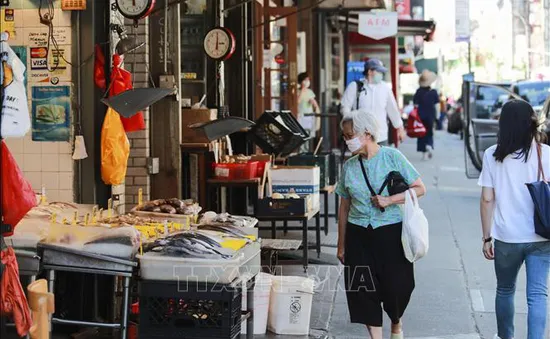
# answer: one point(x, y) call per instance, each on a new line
point(423, 28)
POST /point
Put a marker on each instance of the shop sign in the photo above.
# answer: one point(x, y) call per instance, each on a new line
point(378, 25)
point(462, 28)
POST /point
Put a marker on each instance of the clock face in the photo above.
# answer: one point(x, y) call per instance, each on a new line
point(219, 44)
point(135, 9)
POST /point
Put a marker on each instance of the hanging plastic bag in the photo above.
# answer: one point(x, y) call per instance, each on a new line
point(16, 121)
point(79, 148)
point(415, 234)
point(18, 197)
point(415, 127)
point(12, 298)
point(99, 68)
point(121, 80)
point(115, 149)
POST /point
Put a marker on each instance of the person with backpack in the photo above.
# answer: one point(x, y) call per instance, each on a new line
point(511, 232)
point(374, 96)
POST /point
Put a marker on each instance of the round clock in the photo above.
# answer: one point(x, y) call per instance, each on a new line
point(219, 43)
point(135, 9)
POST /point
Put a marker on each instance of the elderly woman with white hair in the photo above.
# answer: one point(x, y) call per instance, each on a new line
point(369, 227)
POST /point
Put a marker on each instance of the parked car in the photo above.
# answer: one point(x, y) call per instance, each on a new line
point(487, 99)
point(533, 91)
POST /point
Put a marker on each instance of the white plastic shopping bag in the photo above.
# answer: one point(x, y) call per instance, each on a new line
point(16, 121)
point(415, 235)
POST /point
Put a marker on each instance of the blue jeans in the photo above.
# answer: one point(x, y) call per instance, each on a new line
point(508, 260)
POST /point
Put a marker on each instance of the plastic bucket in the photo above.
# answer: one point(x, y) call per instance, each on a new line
point(290, 305)
point(262, 292)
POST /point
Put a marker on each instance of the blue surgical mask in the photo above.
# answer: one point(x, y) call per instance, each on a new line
point(378, 78)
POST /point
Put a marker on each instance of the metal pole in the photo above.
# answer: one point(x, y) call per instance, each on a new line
point(470, 55)
point(346, 48)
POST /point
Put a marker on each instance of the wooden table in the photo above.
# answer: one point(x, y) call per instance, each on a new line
point(217, 184)
point(304, 219)
point(325, 192)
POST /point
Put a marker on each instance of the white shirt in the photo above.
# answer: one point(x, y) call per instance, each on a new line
point(513, 218)
point(375, 99)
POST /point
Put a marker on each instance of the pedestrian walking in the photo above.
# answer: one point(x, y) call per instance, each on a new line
point(307, 105)
point(507, 217)
point(427, 101)
point(369, 227)
point(373, 96)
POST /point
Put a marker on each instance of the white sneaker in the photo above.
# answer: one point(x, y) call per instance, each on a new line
point(397, 336)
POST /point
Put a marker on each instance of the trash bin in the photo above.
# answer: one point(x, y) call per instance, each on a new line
point(290, 305)
point(262, 292)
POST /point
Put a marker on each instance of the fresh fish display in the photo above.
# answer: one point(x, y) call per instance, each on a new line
point(232, 231)
point(211, 218)
point(171, 206)
point(192, 245)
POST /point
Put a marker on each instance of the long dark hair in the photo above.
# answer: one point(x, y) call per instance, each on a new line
point(518, 126)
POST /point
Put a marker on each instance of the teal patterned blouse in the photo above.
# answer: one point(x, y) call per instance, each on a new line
point(352, 186)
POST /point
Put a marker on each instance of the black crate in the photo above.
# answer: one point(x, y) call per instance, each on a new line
point(269, 207)
point(169, 309)
point(278, 138)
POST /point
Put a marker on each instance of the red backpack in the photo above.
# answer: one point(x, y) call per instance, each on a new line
point(415, 127)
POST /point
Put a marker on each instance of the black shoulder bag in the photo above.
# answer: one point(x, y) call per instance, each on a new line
point(360, 88)
point(394, 181)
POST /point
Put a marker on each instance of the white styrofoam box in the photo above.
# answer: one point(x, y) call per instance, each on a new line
point(159, 267)
point(300, 179)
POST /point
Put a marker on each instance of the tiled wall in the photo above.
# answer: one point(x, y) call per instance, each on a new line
point(44, 164)
point(137, 175)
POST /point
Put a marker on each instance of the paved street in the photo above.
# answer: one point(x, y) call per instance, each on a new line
point(455, 285)
point(454, 297)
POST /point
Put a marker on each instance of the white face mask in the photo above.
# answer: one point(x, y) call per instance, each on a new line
point(306, 84)
point(355, 144)
point(378, 78)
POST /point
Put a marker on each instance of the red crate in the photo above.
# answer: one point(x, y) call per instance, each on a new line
point(236, 171)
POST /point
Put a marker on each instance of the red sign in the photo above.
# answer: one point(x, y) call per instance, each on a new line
point(403, 9)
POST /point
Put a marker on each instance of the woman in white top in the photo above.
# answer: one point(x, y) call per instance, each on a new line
point(507, 216)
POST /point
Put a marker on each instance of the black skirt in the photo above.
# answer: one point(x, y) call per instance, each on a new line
point(377, 274)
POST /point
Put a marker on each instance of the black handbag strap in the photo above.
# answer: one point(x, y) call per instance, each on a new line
point(372, 191)
point(360, 88)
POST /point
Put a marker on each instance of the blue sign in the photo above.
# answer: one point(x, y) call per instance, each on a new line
point(51, 113)
point(354, 71)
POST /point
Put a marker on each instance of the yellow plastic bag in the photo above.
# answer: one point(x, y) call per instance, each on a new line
point(115, 149)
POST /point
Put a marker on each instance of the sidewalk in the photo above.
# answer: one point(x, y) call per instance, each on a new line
point(455, 285)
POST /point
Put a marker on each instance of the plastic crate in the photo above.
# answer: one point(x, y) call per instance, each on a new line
point(236, 171)
point(169, 309)
point(278, 133)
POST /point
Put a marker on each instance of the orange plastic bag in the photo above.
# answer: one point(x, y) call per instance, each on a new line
point(12, 297)
point(18, 196)
point(115, 149)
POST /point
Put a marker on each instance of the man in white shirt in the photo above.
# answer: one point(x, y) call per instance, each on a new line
point(372, 95)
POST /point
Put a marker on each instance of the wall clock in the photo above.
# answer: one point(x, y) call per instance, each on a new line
point(219, 43)
point(135, 9)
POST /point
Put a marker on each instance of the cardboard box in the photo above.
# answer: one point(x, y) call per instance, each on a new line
point(321, 160)
point(301, 180)
point(194, 116)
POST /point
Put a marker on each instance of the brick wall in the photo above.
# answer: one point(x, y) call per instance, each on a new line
point(137, 175)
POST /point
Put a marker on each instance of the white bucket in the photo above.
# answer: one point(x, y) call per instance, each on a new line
point(262, 292)
point(290, 305)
